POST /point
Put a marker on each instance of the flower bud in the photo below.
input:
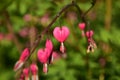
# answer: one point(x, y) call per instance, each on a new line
point(26, 73)
point(34, 70)
point(81, 26)
point(49, 46)
point(25, 54)
point(89, 34)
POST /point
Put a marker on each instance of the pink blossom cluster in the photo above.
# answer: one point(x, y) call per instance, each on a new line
point(25, 74)
point(47, 54)
point(89, 35)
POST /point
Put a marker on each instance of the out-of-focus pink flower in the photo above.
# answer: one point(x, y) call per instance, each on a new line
point(34, 70)
point(9, 37)
point(43, 55)
point(1, 36)
point(55, 56)
point(61, 34)
point(72, 17)
point(26, 73)
point(25, 54)
point(102, 62)
point(27, 17)
point(24, 32)
point(22, 77)
point(45, 19)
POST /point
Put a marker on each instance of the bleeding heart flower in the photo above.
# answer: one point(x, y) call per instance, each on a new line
point(34, 70)
point(43, 55)
point(49, 46)
point(61, 33)
point(25, 54)
point(89, 34)
point(81, 26)
point(26, 73)
point(91, 43)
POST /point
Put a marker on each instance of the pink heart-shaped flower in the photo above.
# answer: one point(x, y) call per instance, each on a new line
point(89, 34)
point(49, 44)
point(81, 25)
point(43, 55)
point(61, 33)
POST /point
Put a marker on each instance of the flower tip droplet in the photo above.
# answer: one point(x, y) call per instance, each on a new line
point(45, 68)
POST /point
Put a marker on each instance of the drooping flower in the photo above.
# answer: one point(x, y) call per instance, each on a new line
point(34, 70)
point(55, 56)
point(43, 55)
point(82, 27)
point(91, 42)
point(43, 58)
point(49, 46)
point(61, 34)
point(26, 73)
point(25, 54)
point(89, 34)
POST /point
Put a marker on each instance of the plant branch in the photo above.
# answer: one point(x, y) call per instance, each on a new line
point(41, 35)
point(52, 22)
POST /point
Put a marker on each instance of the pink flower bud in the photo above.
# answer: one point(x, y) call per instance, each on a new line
point(22, 77)
point(26, 73)
point(25, 54)
point(34, 69)
point(82, 26)
point(49, 46)
point(43, 55)
point(89, 34)
point(61, 34)
point(45, 68)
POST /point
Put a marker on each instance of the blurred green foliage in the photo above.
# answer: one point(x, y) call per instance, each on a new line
point(103, 64)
